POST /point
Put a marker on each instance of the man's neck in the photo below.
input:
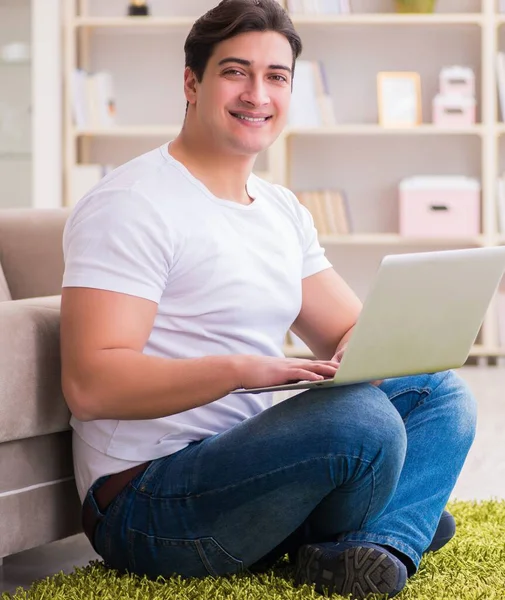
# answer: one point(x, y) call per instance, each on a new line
point(225, 175)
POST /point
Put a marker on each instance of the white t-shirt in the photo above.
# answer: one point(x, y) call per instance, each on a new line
point(226, 278)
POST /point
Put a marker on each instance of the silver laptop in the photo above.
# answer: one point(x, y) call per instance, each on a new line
point(422, 315)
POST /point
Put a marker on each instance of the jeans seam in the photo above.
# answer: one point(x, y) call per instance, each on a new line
point(140, 480)
point(423, 392)
point(420, 390)
point(257, 477)
point(408, 390)
point(371, 495)
point(203, 558)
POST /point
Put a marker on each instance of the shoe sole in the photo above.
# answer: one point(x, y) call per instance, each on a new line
point(359, 571)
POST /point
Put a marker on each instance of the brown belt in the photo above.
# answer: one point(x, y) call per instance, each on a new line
point(105, 494)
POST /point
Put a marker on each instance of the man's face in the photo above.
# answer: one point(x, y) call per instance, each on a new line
point(243, 99)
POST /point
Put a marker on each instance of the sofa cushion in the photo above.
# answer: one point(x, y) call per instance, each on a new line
point(31, 400)
point(4, 288)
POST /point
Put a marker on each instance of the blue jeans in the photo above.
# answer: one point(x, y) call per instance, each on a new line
point(349, 463)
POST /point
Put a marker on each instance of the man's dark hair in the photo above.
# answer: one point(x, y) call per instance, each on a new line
point(233, 17)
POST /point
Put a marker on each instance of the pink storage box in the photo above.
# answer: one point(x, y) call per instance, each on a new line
point(439, 206)
point(453, 111)
point(457, 80)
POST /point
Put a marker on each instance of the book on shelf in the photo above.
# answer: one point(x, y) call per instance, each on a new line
point(329, 210)
point(311, 102)
point(319, 7)
point(84, 177)
point(93, 100)
point(500, 78)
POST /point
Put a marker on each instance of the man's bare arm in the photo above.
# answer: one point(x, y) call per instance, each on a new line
point(329, 311)
point(105, 375)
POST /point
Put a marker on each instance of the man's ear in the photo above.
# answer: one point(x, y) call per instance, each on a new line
point(190, 84)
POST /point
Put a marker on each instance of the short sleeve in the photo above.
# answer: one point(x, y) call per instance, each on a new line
point(117, 241)
point(314, 258)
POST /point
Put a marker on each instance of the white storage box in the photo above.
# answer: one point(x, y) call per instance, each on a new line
point(439, 206)
point(457, 80)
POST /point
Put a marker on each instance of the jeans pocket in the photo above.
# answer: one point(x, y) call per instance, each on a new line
point(153, 556)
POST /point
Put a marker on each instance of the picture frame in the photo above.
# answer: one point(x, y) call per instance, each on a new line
point(399, 98)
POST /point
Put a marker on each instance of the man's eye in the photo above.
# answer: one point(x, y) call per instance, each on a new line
point(233, 72)
point(280, 78)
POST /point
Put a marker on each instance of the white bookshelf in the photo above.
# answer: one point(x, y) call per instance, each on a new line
point(388, 19)
point(373, 129)
point(385, 239)
point(357, 155)
point(130, 24)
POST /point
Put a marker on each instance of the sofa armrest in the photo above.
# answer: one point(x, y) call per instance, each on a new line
point(31, 250)
point(31, 400)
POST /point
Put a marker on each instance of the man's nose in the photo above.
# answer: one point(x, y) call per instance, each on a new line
point(256, 93)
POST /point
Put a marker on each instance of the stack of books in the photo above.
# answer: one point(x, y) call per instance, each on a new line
point(329, 210)
point(319, 7)
point(311, 102)
point(93, 102)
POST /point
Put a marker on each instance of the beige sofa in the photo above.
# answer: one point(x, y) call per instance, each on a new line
point(38, 497)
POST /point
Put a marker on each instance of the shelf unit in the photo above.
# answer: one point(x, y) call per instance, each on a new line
point(472, 36)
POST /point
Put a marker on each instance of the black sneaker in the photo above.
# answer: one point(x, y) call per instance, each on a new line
point(445, 532)
point(357, 568)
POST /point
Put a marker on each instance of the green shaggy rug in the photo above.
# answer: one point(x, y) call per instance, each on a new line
point(470, 567)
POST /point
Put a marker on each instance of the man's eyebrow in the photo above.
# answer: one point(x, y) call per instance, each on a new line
point(247, 63)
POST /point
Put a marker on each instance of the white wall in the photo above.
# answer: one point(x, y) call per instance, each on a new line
point(47, 104)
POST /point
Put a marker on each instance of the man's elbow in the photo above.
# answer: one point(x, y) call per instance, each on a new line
point(79, 399)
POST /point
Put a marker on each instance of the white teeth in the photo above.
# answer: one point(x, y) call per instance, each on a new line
point(254, 120)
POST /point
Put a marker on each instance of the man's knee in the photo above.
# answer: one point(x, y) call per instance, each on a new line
point(364, 420)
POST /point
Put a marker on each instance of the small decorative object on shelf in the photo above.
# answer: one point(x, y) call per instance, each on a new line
point(138, 8)
point(415, 6)
point(399, 98)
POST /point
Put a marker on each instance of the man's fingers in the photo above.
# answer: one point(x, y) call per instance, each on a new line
point(307, 362)
point(328, 370)
point(316, 372)
point(302, 375)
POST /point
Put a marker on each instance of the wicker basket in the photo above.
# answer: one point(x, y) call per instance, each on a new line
point(415, 6)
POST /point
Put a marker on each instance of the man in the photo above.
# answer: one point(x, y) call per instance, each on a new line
point(183, 272)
